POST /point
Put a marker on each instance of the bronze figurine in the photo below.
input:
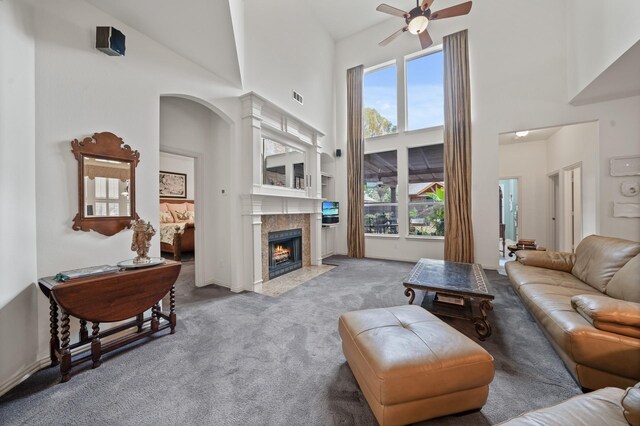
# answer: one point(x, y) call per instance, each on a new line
point(142, 234)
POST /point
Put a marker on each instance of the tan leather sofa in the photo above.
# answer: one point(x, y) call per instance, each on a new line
point(608, 406)
point(588, 305)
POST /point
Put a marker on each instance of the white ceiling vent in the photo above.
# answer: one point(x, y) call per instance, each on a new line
point(298, 97)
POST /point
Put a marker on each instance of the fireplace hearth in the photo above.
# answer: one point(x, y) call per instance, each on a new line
point(285, 252)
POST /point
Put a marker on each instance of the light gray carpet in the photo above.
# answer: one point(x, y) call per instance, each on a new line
point(248, 359)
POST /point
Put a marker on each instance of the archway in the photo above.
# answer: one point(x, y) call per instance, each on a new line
point(193, 128)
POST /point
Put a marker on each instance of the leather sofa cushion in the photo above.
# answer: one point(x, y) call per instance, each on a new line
point(606, 313)
point(602, 407)
point(574, 335)
point(625, 284)
point(555, 260)
point(631, 405)
point(520, 275)
point(405, 354)
point(599, 258)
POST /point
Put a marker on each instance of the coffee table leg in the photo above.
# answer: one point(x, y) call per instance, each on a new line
point(411, 294)
point(483, 328)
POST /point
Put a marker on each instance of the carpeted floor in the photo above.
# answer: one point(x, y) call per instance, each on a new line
point(248, 359)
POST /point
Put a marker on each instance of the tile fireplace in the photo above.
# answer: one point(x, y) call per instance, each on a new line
point(285, 251)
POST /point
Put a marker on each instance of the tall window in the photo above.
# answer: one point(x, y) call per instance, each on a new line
point(425, 91)
point(380, 193)
point(426, 190)
point(380, 108)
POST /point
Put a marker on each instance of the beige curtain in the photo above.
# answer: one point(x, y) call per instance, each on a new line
point(458, 240)
point(355, 160)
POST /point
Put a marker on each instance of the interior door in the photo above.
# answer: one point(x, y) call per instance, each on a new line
point(572, 203)
point(577, 206)
point(554, 225)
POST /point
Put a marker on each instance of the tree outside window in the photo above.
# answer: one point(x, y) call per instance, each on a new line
point(426, 190)
point(380, 103)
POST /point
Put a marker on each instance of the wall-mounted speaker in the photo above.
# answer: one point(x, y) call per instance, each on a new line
point(110, 41)
point(338, 153)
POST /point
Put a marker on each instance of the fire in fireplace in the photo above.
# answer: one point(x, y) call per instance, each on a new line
point(285, 252)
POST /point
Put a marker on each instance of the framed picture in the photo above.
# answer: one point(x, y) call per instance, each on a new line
point(173, 185)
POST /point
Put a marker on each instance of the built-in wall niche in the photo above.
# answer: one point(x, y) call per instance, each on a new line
point(283, 165)
point(327, 170)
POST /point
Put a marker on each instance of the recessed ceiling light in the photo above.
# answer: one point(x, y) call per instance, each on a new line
point(522, 133)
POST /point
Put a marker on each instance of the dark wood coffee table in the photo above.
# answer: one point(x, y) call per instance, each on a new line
point(454, 288)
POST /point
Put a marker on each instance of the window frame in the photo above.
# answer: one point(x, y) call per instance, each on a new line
point(107, 200)
point(374, 68)
point(396, 204)
point(407, 197)
point(416, 55)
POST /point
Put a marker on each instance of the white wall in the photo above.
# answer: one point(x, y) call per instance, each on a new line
point(80, 91)
point(287, 49)
point(188, 127)
point(519, 71)
point(177, 163)
point(18, 293)
point(528, 162)
point(598, 33)
point(534, 161)
point(567, 147)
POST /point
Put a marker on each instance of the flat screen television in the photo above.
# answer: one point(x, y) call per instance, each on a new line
point(330, 212)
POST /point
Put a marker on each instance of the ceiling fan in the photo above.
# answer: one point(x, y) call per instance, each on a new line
point(418, 18)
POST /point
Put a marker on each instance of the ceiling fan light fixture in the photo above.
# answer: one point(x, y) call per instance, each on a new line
point(418, 24)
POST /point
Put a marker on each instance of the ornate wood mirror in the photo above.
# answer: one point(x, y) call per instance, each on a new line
point(106, 184)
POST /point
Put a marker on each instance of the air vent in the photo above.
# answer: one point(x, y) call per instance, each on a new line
point(298, 97)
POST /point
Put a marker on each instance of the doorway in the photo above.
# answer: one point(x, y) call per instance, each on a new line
point(554, 213)
point(572, 201)
point(177, 206)
point(509, 193)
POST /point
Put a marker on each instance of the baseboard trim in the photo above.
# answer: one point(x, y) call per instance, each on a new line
point(45, 362)
point(24, 374)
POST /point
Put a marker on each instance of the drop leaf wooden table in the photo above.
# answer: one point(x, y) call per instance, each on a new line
point(111, 297)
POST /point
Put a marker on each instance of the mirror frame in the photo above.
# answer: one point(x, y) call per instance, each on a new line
point(108, 146)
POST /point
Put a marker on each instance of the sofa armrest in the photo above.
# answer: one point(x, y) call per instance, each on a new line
point(631, 405)
point(609, 314)
point(556, 260)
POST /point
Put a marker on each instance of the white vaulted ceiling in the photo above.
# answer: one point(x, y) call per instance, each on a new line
point(200, 30)
point(344, 18)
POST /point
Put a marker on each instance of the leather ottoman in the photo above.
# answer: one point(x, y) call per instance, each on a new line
point(411, 366)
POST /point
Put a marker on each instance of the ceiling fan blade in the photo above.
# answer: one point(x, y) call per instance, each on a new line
point(392, 36)
point(425, 39)
point(450, 12)
point(426, 4)
point(385, 8)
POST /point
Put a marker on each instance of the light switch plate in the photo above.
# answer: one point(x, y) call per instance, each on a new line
point(626, 210)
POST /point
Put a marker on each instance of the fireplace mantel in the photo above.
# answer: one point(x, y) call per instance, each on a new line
point(260, 119)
